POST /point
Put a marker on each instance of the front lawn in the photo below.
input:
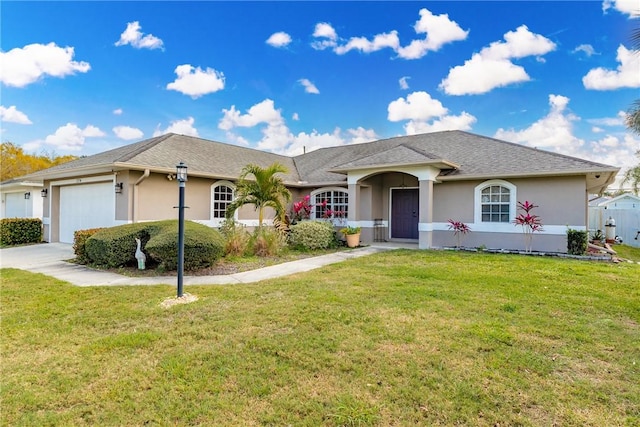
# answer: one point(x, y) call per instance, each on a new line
point(397, 338)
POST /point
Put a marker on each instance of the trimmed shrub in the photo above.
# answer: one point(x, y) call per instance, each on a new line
point(116, 246)
point(577, 241)
point(18, 231)
point(79, 239)
point(313, 235)
point(267, 241)
point(203, 245)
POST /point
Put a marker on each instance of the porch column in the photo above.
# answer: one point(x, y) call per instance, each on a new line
point(354, 203)
point(425, 214)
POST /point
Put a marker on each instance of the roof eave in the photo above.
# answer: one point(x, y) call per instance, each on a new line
point(577, 172)
point(440, 164)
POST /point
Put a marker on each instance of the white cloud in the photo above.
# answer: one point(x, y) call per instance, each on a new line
point(492, 67)
point(460, 122)
point(279, 39)
point(308, 86)
point(439, 30)
point(554, 132)
point(263, 112)
point(276, 136)
point(180, 127)
point(134, 37)
point(23, 66)
point(71, 137)
point(13, 115)
point(610, 121)
point(295, 117)
point(327, 35)
point(417, 106)
point(626, 75)
point(127, 132)
point(628, 7)
point(117, 111)
point(196, 82)
point(587, 49)
point(380, 41)
point(425, 114)
point(404, 82)
point(596, 129)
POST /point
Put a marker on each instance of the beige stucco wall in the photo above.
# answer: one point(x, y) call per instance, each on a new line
point(561, 200)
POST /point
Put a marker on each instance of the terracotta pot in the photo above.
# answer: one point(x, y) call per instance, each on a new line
point(353, 240)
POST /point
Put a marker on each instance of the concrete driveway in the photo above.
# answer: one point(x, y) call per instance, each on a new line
point(49, 259)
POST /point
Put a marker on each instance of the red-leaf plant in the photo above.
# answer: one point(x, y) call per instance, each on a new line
point(459, 229)
point(530, 222)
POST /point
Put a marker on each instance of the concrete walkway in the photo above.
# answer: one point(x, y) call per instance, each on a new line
point(49, 259)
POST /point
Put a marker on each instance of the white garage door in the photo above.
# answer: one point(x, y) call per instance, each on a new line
point(86, 206)
point(15, 205)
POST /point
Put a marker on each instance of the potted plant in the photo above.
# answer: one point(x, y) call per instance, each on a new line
point(352, 234)
point(597, 238)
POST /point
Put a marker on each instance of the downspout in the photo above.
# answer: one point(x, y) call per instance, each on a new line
point(134, 206)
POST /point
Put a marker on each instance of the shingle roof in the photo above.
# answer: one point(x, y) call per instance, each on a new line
point(476, 156)
point(203, 158)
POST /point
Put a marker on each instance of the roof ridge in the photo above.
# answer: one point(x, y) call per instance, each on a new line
point(143, 146)
point(553, 153)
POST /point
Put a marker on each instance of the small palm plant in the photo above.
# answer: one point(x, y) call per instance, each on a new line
point(459, 230)
point(529, 222)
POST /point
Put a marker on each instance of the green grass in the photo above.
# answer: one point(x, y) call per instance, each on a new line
point(628, 252)
point(398, 338)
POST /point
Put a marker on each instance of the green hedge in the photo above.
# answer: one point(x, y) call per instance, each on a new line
point(202, 246)
point(79, 239)
point(577, 241)
point(313, 235)
point(19, 231)
point(116, 246)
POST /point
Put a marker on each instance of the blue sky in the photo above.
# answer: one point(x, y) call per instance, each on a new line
point(84, 77)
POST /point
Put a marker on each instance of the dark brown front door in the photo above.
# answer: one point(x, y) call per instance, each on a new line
point(404, 213)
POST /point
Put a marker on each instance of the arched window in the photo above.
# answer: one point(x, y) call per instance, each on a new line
point(495, 202)
point(222, 194)
point(330, 203)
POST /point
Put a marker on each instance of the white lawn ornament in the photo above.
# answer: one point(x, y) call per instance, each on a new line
point(140, 256)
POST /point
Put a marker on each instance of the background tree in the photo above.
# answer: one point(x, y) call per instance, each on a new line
point(632, 176)
point(15, 162)
point(264, 190)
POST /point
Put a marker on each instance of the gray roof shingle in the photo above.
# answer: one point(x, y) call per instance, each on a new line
point(477, 156)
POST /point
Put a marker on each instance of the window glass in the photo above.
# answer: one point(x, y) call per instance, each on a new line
point(222, 197)
point(495, 204)
point(331, 204)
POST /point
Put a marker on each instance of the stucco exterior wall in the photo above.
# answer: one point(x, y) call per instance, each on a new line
point(561, 203)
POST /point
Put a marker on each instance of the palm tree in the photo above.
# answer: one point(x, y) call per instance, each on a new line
point(264, 190)
point(633, 124)
point(632, 176)
point(633, 114)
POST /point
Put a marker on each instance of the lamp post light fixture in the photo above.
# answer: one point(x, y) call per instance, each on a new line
point(181, 177)
point(44, 192)
point(27, 196)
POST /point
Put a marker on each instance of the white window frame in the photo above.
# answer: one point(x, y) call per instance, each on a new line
point(479, 224)
point(314, 193)
point(218, 221)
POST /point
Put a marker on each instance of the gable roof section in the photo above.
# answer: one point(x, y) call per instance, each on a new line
point(162, 154)
point(400, 155)
point(477, 157)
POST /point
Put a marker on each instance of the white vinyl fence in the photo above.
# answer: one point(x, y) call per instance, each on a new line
point(627, 223)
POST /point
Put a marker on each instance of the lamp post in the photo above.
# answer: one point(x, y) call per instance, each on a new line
point(181, 176)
